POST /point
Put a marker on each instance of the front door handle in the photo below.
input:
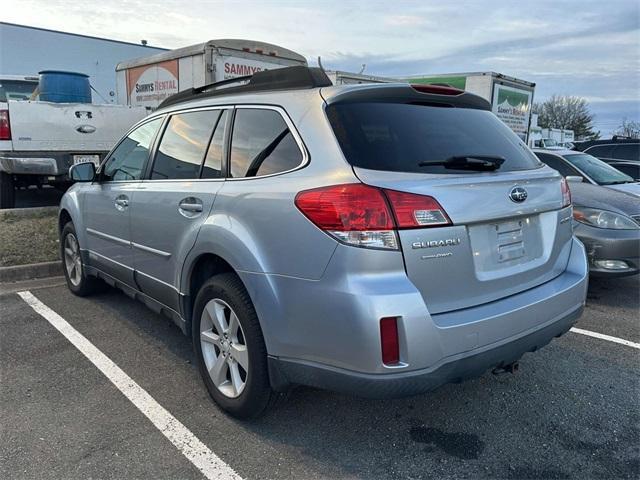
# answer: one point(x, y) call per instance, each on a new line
point(122, 202)
point(190, 206)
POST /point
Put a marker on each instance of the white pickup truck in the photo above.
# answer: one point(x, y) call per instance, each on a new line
point(39, 141)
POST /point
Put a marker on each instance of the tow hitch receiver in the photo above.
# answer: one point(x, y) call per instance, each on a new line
point(510, 368)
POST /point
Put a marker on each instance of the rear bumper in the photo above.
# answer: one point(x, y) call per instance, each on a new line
point(435, 349)
point(285, 372)
point(606, 244)
point(39, 163)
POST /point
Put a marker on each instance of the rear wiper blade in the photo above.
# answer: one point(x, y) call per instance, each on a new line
point(468, 162)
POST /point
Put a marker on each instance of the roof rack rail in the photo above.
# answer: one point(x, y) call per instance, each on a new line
point(286, 78)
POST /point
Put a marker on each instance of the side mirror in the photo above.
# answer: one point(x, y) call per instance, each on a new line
point(574, 179)
point(83, 172)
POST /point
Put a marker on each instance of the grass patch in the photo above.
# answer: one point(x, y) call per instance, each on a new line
point(29, 239)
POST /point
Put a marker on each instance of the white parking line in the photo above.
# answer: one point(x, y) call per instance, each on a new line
point(211, 466)
point(609, 338)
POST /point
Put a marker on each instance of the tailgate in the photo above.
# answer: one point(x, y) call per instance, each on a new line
point(72, 127)
point(495, 247)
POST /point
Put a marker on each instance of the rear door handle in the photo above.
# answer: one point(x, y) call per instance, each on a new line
point(190, 206)
point(122, 202)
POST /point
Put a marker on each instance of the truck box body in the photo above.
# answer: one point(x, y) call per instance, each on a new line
point(148, 81)
point(553, 134)
point(567, 136)
point(511, 98)
point(349, 78)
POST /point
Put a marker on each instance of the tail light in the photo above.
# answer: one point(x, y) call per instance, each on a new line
point(5, 127)
point(437, 89)
point(566, 193)
point(365, 216)
point(415, 211)
point(389, 341)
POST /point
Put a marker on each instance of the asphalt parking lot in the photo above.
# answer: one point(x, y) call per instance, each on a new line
point(570, 412)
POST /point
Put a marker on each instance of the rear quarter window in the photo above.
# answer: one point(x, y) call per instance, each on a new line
point(399, 137)
point(262, 144)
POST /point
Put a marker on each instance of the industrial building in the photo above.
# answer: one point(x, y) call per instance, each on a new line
point(26, 50)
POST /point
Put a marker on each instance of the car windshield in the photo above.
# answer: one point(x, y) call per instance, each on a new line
point(403, 137)
point(597, 170)
point(550, 142)
point(16, 89)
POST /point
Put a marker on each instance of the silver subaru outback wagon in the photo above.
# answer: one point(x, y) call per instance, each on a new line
point(379, 240)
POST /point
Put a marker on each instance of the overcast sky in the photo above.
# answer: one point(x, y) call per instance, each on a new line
point(586, 48)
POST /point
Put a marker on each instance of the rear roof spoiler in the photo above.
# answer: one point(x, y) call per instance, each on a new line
point(396, 92)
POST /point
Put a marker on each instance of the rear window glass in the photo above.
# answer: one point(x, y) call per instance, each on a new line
point(16, 90)
point(402, 137)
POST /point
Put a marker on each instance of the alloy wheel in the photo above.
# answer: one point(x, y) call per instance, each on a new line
point(72, 260)
point(224, 348)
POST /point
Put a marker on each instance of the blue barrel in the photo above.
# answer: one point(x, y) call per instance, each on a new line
point(64, 87)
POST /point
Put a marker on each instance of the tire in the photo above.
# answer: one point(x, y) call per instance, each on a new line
point(75, 274)
point(7, 191)
point(225, 294)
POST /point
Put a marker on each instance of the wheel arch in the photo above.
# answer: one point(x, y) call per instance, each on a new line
point(64, 217)
point(202, 268)
point(259, 288)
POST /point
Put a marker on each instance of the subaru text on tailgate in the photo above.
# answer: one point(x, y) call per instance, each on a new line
point(380, 240)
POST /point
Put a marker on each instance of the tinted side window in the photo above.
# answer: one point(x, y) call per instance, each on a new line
point(129, 158)
point(262, 144)
point(558, 164)
point(183, 144)
point(600, 151)
point(213, 163)
point(629, 151)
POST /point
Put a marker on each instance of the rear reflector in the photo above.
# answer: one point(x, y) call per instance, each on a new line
point(566, 192)
point(415, 211)
point(437, 89)
point(5, 127)
point(389, 341)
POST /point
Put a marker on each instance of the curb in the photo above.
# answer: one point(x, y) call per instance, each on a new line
point(17, 273)
point(27, 212)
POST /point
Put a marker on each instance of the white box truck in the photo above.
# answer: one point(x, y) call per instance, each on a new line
point(148, 81)
point(511, 98)
point(339, 77)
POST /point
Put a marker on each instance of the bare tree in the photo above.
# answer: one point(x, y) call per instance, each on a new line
point(629, 128)
point(566, 112)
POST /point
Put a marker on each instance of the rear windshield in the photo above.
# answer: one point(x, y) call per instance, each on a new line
point(403, 137)
point(16, 90)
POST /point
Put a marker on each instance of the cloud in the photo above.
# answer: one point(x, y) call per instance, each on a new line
point(405, 20)
point(582, 47)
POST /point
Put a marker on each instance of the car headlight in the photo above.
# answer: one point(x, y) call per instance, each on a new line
point(604, 219)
